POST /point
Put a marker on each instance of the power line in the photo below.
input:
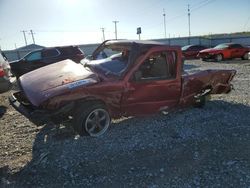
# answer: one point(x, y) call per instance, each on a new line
point(65, 31)
point(202, 5)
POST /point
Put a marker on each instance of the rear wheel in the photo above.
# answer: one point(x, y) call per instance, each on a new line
point(245, 56)
point(219, 57)
point(91, 118)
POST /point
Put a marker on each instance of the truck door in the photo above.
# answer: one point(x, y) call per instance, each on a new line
point(237, 51)
point(154, 85)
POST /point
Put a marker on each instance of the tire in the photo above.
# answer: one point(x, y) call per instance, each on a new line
point(219, 57)
point(245, 56)
point(91, 118)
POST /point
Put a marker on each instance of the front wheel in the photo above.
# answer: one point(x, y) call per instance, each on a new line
point(219, 57)
point(91, 118)
point(245, 56)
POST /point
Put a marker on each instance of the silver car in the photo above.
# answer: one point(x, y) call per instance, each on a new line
point(5, 83)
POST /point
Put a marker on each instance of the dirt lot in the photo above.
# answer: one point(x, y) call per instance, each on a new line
point(208, 147)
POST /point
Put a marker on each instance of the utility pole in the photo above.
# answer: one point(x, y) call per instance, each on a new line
point(103, 34)
point(32, 34)
point(164, 19)
point(24, 35)
point(115, 22)
point(189, 31)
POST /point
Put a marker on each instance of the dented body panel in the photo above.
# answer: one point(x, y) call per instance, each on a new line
point(55, 86)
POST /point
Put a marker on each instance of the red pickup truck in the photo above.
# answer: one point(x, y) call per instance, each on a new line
point(121, 78)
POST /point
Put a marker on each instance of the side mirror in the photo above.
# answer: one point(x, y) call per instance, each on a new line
point(138, 75)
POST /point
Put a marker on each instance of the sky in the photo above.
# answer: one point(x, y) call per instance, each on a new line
point(73, 22)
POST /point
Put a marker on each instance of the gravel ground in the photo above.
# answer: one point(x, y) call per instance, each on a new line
point(208, 147)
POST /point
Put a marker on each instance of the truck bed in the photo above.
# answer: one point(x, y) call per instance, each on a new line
point(195, 81)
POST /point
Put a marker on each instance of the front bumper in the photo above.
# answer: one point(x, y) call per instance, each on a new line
point(34, 113)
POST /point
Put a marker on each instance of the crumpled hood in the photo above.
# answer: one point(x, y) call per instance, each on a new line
point(54, 79)
point(210, 50)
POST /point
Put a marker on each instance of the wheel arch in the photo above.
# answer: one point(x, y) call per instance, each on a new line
point(89, 100)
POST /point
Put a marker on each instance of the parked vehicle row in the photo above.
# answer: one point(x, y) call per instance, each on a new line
point(218, 53)
point(121, 78)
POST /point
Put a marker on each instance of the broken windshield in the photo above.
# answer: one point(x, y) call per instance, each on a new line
point(110, 59)
point(221, 46)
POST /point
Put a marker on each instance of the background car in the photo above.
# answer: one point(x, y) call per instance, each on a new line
point(225, 51)
point(5, 83)
point(191, 51)
point(45, 56)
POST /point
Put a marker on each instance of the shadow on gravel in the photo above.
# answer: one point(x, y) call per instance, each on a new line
point(195, 147)
point(228, 61)
point(189, 66)
point(3, 109)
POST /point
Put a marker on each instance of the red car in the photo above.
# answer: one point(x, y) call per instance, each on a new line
point(225, 51)
point(191, 51)
point(121, 78)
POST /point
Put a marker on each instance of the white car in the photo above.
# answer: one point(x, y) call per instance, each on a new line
point(5, 83)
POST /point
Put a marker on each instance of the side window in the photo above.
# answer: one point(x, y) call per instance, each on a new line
point(158, 66)
point(238, 46)
point(34, 56)
point(192, 48)
point(234, 46)
point(50, 53)
point(197, 48)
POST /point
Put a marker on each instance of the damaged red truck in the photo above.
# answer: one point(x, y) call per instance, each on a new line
point(120, 78)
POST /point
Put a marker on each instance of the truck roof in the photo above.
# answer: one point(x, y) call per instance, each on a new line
point(143, 42)
point(141, 45)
